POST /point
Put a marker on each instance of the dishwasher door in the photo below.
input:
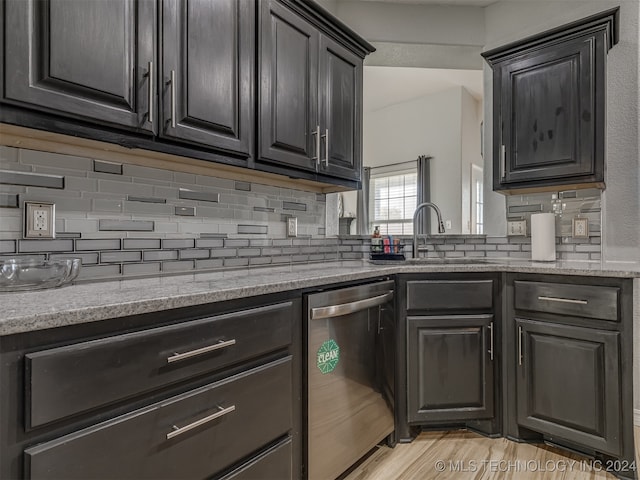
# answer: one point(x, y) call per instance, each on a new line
point(350, 365)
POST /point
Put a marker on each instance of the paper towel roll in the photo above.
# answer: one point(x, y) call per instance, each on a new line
point(543, 237)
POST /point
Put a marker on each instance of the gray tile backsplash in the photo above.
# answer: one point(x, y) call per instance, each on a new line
point(133, 198)
point(126, 220)
point(107, 167)
point(93, 195)
point(567, 205)
point(10, 177)
point(198, 195)
point(9, 200)
point(126, 225)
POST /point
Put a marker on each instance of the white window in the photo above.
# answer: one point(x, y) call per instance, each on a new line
point(477, 201)
point(393, 201)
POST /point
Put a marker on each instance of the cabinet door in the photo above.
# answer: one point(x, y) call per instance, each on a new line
point(207, 72)
point(190, 436)
point(551, 113)
point(88, 59)
point(450, 368)
point(289, 130)
point(568, 383)
point(340, 92)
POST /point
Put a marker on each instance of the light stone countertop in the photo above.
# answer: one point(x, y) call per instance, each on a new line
point(89, 302)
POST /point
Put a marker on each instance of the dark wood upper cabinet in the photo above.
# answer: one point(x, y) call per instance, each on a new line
point(181, 77)
point(90, 60)
point(340, 91)
point(288, 103)
point(208, 56)
point(549, 106)
point(310, 103)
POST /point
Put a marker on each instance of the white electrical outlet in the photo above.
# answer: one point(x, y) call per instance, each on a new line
point(292, 227)
point(447, 224)
point(39, 220)
point(580, 228)
point(517, 228)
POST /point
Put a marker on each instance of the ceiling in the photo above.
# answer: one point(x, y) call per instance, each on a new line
point(472, 3)
point(385, 86)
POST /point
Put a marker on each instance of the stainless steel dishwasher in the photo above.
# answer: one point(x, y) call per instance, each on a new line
point(350, 375)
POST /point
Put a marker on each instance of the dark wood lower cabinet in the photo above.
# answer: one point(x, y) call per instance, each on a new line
point(569, 365)
point(193, 435)
point(209, 391)
point(568, 383)
point(449, 358)
point(450, 373)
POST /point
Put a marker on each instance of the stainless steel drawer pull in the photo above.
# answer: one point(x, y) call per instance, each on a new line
point(150, 75)
point(194, 353)
point(326, 147)
point(519, 345)
point(352, 307)
point(563, 300)
point(491, 341)
point(173, 98)
point(316, 134)
point(180, 430)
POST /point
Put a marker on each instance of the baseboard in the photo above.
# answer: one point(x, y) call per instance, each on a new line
point(636, 417)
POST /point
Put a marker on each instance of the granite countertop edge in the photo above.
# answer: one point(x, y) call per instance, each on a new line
point(89, 302)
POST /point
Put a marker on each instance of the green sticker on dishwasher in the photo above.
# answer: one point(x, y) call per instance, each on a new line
point(328, 356)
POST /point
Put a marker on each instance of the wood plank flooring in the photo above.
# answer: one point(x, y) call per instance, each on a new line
point(462, 455)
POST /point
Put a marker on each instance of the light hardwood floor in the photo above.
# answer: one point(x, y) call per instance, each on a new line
point(462, 455)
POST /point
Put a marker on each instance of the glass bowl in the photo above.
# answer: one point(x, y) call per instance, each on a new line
point(18, 274)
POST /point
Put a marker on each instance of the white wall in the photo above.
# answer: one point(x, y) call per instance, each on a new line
point(430, 125)
point(471, 115)
point(508, 21)
point(429, 36)
point(407, 23)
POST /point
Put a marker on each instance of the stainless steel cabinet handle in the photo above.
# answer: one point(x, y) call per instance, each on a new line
point(173, 98)
point(519, 345)
point(563, 300)
point(194, 353)
point(503, 157)
point(491, 341)
point(180, 430)
point(316, 134)
point(326, 147)
point(352, 307)
point(151, 102)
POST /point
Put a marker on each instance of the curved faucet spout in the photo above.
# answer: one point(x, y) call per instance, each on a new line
point(415, 226)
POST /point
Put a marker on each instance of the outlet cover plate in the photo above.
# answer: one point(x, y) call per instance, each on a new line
point(517, 228)
point(580, 228)
point(39, 220)
point(292, 226)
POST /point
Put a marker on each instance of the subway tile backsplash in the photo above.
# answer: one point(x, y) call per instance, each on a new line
point(127, 220)
point(566, 205)
point(11, 177)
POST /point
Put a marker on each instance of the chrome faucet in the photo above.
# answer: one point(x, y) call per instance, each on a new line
point(415, 226)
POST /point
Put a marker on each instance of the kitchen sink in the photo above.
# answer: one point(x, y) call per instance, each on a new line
point(436, 261)
point(447, 261)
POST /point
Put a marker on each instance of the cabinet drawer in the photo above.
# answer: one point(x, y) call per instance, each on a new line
point(258, 406)
point(587, 301)
point(449, 294)
point(68, 380)
point(274, 464)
